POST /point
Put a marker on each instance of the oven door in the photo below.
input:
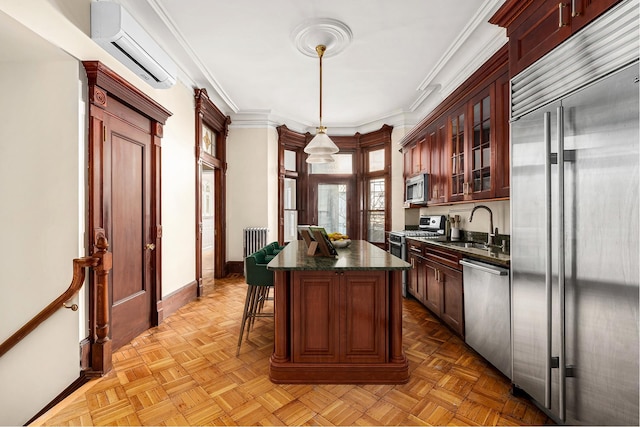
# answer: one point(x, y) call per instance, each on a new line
point(395, 248)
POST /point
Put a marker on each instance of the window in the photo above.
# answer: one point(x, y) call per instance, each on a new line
point(343, 165)
point(376, 211)
point(350, 195)
point(290, 203)
point(376, 195)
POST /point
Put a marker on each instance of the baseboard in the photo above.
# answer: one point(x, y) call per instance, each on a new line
point(235, 267)
point(172, 302)
point(83, 379)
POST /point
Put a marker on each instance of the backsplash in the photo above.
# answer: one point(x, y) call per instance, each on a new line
point(500, 209)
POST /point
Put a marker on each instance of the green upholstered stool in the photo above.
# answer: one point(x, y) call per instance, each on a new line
point(259, 283)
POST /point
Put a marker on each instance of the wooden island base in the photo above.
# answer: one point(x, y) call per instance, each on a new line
point(338, 320)
point(297, 373)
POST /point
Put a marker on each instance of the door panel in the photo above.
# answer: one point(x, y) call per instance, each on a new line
point(365, 307)
point(127, 214)
point(602, 251)
point(315, 325)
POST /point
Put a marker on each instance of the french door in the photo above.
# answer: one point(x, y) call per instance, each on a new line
point(334, 204)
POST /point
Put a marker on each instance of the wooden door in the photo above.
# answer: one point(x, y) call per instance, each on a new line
point(127, 210)
point(125, 135)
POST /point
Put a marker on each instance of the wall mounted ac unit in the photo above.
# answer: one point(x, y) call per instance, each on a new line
point(113, 28)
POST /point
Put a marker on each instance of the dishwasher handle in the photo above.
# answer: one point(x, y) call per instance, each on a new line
point(487, 268)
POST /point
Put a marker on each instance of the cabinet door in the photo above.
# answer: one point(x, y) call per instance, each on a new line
point(544, 25)
point(363, 318)
point(407, 162)
point(452, 306)
point(421, 284)
point(585, 11)
point(417, 284)
point(500, 169)
point(433, 291)
point(482, 142)
point(412, 277)
point(316, 322)
point(415, 159)
point(436, 142)
point(455, 155)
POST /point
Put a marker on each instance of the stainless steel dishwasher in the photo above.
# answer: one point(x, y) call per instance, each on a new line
point(487, 312)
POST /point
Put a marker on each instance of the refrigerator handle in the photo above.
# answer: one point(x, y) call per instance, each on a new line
point(561, 274)
point(548, 258)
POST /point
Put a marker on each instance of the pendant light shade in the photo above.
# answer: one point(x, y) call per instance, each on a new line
point(320, 158)
point(321, 147)
point(321, 143)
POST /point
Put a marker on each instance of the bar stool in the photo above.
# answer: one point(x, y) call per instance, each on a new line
point(259, 283)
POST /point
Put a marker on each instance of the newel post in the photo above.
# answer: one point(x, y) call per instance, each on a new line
point(101, 346)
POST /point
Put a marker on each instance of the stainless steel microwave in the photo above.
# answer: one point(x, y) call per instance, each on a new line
point(416, 189)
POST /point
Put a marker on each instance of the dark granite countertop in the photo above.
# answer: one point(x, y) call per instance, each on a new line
point(360, 255)
point(494, 256)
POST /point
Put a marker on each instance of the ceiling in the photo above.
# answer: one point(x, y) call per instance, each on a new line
point(402, 59)
point(404, 56)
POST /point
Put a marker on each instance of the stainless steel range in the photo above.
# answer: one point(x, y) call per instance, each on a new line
point(430, 227)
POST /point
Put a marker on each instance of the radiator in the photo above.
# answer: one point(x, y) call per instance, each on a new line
point(254, 238)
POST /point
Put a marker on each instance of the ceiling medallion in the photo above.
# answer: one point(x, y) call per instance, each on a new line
point(333, 34)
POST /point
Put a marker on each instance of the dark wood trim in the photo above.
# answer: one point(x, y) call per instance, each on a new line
point(235, 267)
point(208, 114)
point(85, 354)
point(508, 12)
point(102, 76)
point(172, 302)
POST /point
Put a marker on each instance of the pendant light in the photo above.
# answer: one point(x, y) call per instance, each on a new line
point(321, 147)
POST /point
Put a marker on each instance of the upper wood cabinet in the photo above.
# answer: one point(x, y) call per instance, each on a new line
point(464, 143)
point(536, 27)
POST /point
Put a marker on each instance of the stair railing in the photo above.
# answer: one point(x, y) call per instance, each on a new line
point(100, 262)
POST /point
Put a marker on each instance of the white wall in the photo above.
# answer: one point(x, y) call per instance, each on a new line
point(178, 190)
point(42, 206)
point(252, 185)
point(397, 180)
point(41, 223)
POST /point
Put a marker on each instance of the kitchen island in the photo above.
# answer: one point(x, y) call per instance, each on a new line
point(338, 319)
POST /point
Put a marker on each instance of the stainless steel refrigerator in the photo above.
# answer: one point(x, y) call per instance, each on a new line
point(575, 225)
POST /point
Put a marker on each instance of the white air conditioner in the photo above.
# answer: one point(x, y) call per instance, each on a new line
point(113, 28)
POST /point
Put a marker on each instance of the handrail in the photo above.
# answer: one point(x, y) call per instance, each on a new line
point(79, 265)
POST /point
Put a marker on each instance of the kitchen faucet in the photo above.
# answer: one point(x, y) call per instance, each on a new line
point(492, 232)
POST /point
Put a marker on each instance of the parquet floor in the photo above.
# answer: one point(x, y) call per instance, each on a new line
point(185, 372)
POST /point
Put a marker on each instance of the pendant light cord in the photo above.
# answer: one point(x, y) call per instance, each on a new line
point(320, 49)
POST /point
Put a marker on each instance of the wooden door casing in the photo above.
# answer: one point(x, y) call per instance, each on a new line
point(112, 97)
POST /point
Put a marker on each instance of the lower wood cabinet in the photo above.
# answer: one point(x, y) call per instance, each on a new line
point(435, 283)
point(339, 318)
